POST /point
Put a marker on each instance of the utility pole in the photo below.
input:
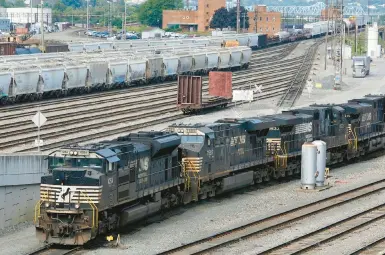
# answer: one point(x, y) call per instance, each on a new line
point(327, 33)
point(109, 18)
point(124, 32)
point(355, 39)
point(256, 18)
point(31, 12)
point(238, 15)
point(88, 25)
point(339, 37)
point(42, 28)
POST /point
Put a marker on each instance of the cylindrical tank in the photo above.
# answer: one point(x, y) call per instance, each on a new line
point(321, 163)
point(372, 41)
point(308, 165)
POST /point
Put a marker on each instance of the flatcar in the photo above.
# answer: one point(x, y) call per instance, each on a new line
point(94, 189)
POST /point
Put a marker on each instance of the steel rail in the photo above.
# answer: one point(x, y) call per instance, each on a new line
point(171, 110)
point(295, 86)
point(376, 247)
point(328, 233)
point(276, 221)
point(146, 92)
point(287, 48)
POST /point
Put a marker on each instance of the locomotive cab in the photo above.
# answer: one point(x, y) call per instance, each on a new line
point(69, 196)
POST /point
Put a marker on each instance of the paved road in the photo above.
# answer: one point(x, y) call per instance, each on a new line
point(75, 34)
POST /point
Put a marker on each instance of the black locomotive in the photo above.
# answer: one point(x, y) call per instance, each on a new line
point(96, 188)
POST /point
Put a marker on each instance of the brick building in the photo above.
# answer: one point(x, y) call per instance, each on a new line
point(193, 20)
point(265, 22)
point(333, 14)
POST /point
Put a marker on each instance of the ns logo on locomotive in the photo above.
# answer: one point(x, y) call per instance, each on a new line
point(97, 188)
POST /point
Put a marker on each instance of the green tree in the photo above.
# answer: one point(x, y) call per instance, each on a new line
point(244, 19)
point(150, 12)
point(220, 19)
point(19, 3)
point(73, 3)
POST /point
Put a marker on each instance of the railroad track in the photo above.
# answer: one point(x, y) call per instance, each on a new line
point(262, 70)
point(376, 247)
point(49, 250)
point(295, 216)
point(15, 135)
point(297, 84)
point(269, 54)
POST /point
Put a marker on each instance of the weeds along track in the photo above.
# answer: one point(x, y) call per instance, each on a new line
point(86, 120)
point(257, 58)
point(285, 220)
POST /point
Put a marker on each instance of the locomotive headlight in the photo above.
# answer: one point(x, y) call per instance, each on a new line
point(75, 153)
point(77, 206)
point(46, 204)
point(71, 153)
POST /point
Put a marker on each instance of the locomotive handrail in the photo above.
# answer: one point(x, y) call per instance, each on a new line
point(37, 210)
point(94, 209)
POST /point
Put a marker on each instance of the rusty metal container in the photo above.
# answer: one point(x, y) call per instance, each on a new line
point(220, 84)
point(21, 30)
point(231, 43)
point(190, 99)
point(7, 48)
point(56, 48)
point(189, 91)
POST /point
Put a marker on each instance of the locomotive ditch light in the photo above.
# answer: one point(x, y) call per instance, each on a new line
point(77, 206)
point(46, 204)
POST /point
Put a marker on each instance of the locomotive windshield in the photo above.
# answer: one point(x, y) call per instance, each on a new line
point(192, 139)
point(73, 162)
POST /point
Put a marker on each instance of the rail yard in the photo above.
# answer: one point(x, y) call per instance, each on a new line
point(101, 139)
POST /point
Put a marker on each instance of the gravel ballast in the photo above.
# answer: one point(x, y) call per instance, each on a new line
point(209, 217)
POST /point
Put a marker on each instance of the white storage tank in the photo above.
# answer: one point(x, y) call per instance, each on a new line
point(347, 52)
point(373, 41)
point(308, 165)
point(321, 163)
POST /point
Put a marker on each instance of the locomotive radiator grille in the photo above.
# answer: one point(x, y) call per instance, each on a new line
point(70, 194)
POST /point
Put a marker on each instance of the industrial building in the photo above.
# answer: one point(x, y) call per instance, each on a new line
point(189, 20)
point(26, 15)
point(263, 21)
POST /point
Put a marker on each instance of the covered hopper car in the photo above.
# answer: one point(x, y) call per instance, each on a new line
point(77, 73)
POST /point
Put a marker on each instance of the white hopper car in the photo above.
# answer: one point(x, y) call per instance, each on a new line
point(78, 73)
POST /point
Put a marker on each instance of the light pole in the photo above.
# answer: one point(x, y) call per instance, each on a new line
point(31, 13)
point(125, 20)
point(42, 27)
point(109, 18)
point(88, 22)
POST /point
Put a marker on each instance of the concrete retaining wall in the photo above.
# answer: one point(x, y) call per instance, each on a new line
point(19, 186)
